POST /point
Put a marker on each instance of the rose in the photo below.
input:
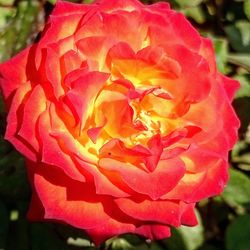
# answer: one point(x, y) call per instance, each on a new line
point(122, 116)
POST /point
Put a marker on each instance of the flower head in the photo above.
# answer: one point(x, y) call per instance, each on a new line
point(122, 116)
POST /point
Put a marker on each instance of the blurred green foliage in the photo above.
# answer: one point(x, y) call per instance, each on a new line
point(224, 220)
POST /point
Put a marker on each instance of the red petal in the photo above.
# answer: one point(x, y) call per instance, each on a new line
point(154, 232)
point(186, 86)
point(13, 73)
point(63, 8)
point(230, 86)
point(14, 119)
point(112, 227)
point(95, 49)
point(157, 56)
point(207, 51)
point(231, 124)
point(171, 170)
point(93, 133)
point(88, 86)
point(195, 187)
point(68, 200)
point(185, 31)
point(162, 212)
point(156, 147)
point(58, 28)
point(103, 184)
point(133, 31)
point(160, 7)
point(52, 153)
point(36, 210)
point(188, 217)
point(33, 107)
point(53, 72)
point(197, 159)
point(114, 5)
point(117, 149)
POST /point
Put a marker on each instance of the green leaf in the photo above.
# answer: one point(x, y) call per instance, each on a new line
point(193, 236)
point(247, 8)
point(121, 244)
point(209, 247)
point(5, 15)
point(188, 3)
point(221, 51)
point(186, 238)
point(7, 2)
point(237, 234)
point(132, 239)
point(27, 13)
point(244, 90)
point(18, 238)
point(52, 1)
point(72, 235)
point(18, 33)
point(238, 148)
point(175, 242)
point(245, 166)
point(237, 191)
point(247, 135)
point(88, 1)
point(155, 246)
point(239, 35)
point(242, 60)
point(4, 225)
point(13, 178)
point(142, 247)
point(43, 236)
point(78, 242)
point(1, 104)
point(241, 105)
point(240, 153)
point(196, 13)
point(4, 146)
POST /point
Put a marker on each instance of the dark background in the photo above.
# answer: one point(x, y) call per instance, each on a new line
point(224, 220)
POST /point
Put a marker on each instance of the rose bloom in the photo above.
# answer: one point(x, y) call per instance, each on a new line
point(122, 116)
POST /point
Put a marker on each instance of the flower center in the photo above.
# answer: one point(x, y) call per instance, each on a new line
point(131, 108)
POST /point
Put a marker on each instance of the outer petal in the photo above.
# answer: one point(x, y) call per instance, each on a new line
point(14, 120)
point(185, 31)
point(229, 85)
point(207, 51)
point(161, 211)
point(231, 124)
point(187, 87)
point(33, 106)
point(68, 200)
point(188, 217)
point(64, 8)
point(59, 27)
point(160, 7)
point(112, 227)
point(178, 28)
point(195, 187)
point(13, 74)
point(51, 152)
point(103, 184)
point(113, 5)
point(154, 231)
point(171, 170)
